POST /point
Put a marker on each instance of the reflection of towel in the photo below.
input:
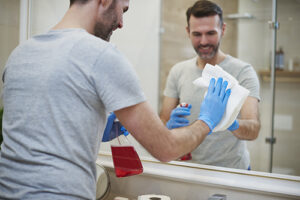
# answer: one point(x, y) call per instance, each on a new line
point(236, 99)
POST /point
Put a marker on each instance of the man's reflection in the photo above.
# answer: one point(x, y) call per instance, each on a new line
point(205, 28)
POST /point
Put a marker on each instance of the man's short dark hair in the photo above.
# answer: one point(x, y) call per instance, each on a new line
point(204, 8)
point(78, 1)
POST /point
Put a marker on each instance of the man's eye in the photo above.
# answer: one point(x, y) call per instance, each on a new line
point(211, 33)
point(196, 34)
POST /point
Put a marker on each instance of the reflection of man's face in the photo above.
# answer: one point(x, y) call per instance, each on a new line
point(111, 19)
point(205, 34)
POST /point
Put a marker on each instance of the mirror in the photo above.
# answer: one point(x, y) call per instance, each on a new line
point(249, 38)
point(158, 41)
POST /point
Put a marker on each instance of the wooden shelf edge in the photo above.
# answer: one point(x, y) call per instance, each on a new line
point(281, 76)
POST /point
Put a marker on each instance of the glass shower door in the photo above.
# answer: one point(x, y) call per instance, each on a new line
point(255, 46)
point(286, 128)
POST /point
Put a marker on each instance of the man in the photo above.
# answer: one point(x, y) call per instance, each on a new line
point(205, 28)
point(58, 90)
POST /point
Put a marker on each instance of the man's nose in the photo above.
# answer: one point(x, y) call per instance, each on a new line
point(120, 25)
point(203, 40)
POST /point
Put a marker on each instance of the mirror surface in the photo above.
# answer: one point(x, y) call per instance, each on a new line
point(249, 38)
point(158, 40)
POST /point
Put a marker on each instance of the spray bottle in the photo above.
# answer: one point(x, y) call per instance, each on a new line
point(125, 159)
point(189, 155)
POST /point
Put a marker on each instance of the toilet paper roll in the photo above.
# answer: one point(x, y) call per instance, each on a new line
point(153, 197)
point(121, 198)
point(236, 99)
point(103, 183)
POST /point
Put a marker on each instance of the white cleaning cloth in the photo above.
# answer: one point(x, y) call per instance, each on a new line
point(153, 196)
point(236, 99)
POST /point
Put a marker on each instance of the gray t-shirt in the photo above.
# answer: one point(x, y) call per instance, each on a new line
point(219, 148)
point(58, 90)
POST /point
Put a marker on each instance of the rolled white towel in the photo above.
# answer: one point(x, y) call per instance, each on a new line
point(236, 99)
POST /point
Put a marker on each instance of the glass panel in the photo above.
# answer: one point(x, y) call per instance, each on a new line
point(247, 37)
point(287, 96)
point(255, 47)
point(9, 30)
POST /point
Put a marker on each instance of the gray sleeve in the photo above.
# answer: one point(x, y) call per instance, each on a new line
point(171, 84)
point(116, 82)
point(248, 79)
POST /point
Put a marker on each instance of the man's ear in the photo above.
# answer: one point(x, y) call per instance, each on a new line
point(188, 30)
point(99, 2)
point(223, 29)
point(104, 3)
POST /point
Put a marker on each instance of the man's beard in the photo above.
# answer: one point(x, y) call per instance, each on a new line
point(104, 31)
point(108, 24)
point(209, 56)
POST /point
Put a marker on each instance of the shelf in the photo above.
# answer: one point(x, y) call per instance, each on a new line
point(281, 76)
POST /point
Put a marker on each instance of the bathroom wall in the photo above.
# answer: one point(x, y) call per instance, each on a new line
point(138, 39)
point(45, 14)
point(9, 31)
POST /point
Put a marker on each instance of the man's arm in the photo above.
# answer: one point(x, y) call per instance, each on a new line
point(165, 145)
point(249, 123)
point(169, 104)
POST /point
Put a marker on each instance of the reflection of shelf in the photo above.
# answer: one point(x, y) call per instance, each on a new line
point(281, 76)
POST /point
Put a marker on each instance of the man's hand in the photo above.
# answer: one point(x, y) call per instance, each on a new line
point(113, 129)
point(107, 136)
point(177, 117)
point(214, 104)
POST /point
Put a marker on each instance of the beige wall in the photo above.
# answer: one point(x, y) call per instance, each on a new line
point(9, 31)
point(45, 14)
point(138, 39)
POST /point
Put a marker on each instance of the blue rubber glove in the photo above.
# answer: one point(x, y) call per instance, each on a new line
point(113, 129)
point(214, 104)
point(124, 131)
point(235, 125)
point(177, 119)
